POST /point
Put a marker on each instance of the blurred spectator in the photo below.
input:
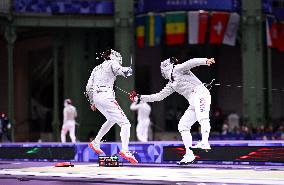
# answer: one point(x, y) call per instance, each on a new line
point(282, 136)
point(279, 132)
point(5, 127)
point(233, 121)
point(247, 133)
point(269, 129)
point(260, 129)
point(237, 131)
point(264, 137)
point(225, 128)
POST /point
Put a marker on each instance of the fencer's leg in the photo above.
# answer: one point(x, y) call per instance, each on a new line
point(72, 134)
point(125, 135)
point(63, 134)
point(187, 139)
point(202, 103)
point(113, 112)
point(205, 129)
point(184, 126)
point(95, 144)
point(103, 130)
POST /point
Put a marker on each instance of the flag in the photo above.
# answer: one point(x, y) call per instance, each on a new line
point(175, 28)
point(153, 32)
point(218, 26)
point(231, 29)
point(271, 32)
point(281, 36)
point(140, 31)
point(197, 26)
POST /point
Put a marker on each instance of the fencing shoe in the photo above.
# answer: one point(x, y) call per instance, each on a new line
point(187, 159)
point(95, 147)
point(202, 145)
point(128, 156)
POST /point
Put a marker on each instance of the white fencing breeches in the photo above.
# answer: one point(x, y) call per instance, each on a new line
point(197, 111)
point(142, 130)
point(68, 125)
point(108, 106)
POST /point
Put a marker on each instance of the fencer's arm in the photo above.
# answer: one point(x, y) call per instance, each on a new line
point(119, 70)
point(166, 91)
point(191, 64)
point(89, 88)
point(134, 106)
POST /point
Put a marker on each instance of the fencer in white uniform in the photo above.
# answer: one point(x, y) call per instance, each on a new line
point(69, 115)
point(102, 97)
point(183, 81)
point(143, 119)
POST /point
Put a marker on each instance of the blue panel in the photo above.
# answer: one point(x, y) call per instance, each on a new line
point(64, 6)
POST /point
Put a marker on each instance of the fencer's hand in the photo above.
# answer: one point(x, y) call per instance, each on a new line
point(127, 71)
point(93, 107)
point(210, 61)
point(134, 97)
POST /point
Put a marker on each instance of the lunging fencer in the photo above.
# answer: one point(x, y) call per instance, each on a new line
point(183, 81)
point(143, 120)
point(101, 95)
point(69, 123)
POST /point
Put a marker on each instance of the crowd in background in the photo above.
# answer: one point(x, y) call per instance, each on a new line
point(231, 126)
point(228, 125)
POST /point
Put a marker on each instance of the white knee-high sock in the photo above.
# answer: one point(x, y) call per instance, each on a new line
point(187, 140)
point(125, 135)
point(104, 129)
point(205, 129)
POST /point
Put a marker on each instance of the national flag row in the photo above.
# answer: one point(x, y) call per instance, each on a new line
point(191, 27)
point(274, 33)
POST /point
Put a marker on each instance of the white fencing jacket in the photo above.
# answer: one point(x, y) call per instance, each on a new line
point(184, 81)
point(103, 77)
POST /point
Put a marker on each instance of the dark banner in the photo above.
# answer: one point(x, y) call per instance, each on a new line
point(38, 153)
point(229, 153)
point(279, 13)
point(174, 5)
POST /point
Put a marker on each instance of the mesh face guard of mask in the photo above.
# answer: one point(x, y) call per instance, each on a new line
point(166, 68)
point(114, 55)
